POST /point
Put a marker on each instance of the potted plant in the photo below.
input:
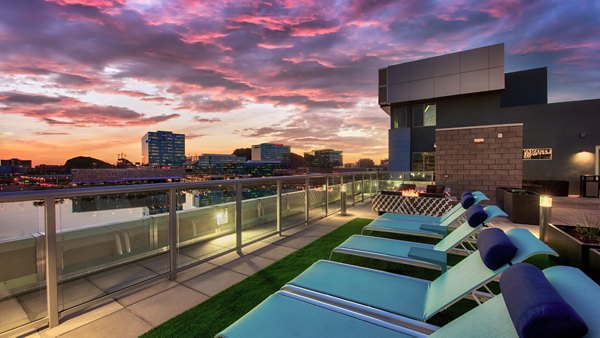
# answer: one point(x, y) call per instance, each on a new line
point(574, 243)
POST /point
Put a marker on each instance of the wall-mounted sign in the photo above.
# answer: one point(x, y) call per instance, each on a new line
point(537, 154)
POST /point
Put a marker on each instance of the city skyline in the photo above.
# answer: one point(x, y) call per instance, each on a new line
point(91, 77)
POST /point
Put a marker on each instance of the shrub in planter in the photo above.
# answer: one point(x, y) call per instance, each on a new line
point(573, 243)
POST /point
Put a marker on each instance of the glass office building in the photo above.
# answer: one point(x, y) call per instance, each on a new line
point(163, 148)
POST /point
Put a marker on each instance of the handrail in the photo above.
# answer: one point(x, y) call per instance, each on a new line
point(21, 196)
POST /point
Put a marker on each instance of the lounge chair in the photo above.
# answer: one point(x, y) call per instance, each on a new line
point(419, 254)
point(425, 228)
point(285, 314)
point(371, 291)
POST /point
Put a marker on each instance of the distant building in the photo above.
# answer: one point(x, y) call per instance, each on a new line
point(209, 160)
point(269, 152)
point(15, 166)
point(365, 163)
point(163, 148)
point(325, 158)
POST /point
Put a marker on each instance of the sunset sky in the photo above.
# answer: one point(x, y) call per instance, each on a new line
point(92, 77)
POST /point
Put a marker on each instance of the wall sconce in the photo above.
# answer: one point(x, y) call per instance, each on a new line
point(478, 140)
point(343, 188)
point(222, 217)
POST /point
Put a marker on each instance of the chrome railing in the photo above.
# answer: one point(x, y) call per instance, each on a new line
point(46, 271)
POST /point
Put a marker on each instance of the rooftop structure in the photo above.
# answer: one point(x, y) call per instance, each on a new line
point(461, 116)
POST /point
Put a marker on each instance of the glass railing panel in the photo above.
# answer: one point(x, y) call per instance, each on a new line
point(206, 223)
point(334, 194)
point(350, 192)
point(22, 276)
point(293, 203)
point(316, 198)
point(105, 242)
point(259, 211)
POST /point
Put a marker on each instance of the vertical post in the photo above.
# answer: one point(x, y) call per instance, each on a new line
point(362, 188)
point(326, 195)
point(279, 187)
point(238, 218)
point(343, 199)
point(306, 199)
point(353, 187)
point(344, 196)
point(172, 234)
point(545, 214)
point(51, 268)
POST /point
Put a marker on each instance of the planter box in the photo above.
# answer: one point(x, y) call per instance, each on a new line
point(595, 264)
point(571, 251)
point(521, 208)
point(500, 197)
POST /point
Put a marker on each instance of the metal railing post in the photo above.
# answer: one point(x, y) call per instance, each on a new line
point(353, 189)
point(279, 213)
point(51, 268)
point(362, 188)
point(172, 234)
point(306, 199)
point(326, 195)
point(238, 218)
point(341, 184)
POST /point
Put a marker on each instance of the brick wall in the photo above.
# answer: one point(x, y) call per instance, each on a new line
point(461, 164)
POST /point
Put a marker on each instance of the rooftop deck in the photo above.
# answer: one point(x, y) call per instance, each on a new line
point(136, 311)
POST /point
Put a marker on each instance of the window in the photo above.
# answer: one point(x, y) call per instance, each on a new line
point(423, 161)
point(424, 115)
point(400, 117)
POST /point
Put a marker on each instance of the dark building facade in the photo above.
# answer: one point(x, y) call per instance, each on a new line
point(15, 166)
point(459, 112)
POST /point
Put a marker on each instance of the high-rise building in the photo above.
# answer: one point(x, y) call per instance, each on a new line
point(163, 148)
point(325, 158)
point(269, 152)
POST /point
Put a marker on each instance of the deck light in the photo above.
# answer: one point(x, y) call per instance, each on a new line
point(545, 214)
point(546, 201)
point(222, 217)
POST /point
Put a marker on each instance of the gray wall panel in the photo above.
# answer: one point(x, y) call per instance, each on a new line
point(421, 89)
point(496, 55)
point(399, 73)
point(475, 81)
point(446, 85)
point(474, 59)
point(496, 76)
point(421, 69)
point(431, 78)
point(399, 92)
point(446, 64)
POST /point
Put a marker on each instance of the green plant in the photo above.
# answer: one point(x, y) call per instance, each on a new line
point(588, 228)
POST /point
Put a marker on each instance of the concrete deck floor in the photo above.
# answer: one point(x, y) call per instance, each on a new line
point(139, 311)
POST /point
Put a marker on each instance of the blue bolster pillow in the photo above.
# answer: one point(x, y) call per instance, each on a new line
point(476, 215)
point(495, 248)
point(467, 200)
point(466, 192)
point(535, 307)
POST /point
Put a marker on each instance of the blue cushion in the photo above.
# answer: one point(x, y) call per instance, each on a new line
point(476, 215)
point(467, 200)
point(535, 307)
point(466, 192)
point(495, 248)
